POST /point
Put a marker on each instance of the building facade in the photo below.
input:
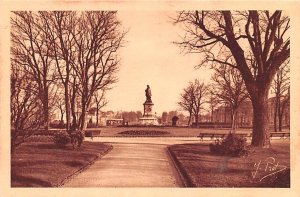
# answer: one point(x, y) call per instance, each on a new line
point(244, 114)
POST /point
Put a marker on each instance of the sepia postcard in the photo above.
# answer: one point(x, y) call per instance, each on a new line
point(149, 98)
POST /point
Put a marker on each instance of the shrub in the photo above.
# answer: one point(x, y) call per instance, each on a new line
point(232, 145)
point(77, 138)
point(61, 138)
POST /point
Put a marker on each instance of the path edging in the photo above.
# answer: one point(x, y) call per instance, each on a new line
point(75, 173)
point(185, 178)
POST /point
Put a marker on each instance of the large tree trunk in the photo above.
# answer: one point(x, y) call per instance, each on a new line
point(83, 113)
point(67, 103)
point(97, 116)
point(261, 135)
point(85, 108)
point(61, 114)
point(46, 115)
point(73, 112)
point(280, 123)
point(190, 117)
point(196, 119)
point(82, 119)
point(212, 115)
point(233, 117)
point(45, 103)
point(73, 95)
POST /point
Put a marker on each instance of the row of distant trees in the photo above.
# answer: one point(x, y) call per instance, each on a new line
point(228, 89)
point(63, 60)
point(254, 43)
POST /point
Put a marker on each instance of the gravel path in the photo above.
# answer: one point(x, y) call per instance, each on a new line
point(133, 162)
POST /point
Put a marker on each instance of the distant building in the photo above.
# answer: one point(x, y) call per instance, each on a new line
point(102, 117)
point(244, 114)
point(114, 122)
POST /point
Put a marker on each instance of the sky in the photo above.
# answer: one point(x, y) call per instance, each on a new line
point(150, 58)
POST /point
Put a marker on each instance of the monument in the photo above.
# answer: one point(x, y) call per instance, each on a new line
point(148, 117)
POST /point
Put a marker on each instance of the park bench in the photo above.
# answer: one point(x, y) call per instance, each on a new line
point(92, 133)
point(280, 135)
point(213, 136)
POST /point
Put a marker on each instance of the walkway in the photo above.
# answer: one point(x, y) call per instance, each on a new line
point(133, 162)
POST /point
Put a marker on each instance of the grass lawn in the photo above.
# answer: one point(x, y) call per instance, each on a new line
point(42, 164)
point(204, 169)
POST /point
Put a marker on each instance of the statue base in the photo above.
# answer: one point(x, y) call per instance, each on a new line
point(148, 121)
point(148, 117)
point(148, 109)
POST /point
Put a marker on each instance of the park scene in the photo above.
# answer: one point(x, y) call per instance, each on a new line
point(150, 99)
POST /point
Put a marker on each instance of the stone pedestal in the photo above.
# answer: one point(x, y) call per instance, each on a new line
point(148, 121)
point(148, 109)
point(148, 117)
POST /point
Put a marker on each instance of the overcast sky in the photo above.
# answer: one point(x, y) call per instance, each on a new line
point(150, 58)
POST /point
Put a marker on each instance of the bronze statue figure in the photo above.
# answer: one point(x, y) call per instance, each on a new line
point(148, 94)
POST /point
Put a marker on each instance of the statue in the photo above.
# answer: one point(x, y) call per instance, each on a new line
point(148, 94)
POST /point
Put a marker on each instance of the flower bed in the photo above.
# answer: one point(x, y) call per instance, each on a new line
point(144, 133)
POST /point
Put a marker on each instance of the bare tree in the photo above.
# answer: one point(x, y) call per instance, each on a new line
point(98, 38)
point(100, 102)
point(200, 94)
point(186, 100)
point(258, 43)
point(59, 28)
point(230, 88)
point(25, 106)
point(85, 46)
point(213, 101)
point(75, 105)
point(59, 103)
point(281, 88)
point(30, 49)
point(81, 48)
point(193, 99)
